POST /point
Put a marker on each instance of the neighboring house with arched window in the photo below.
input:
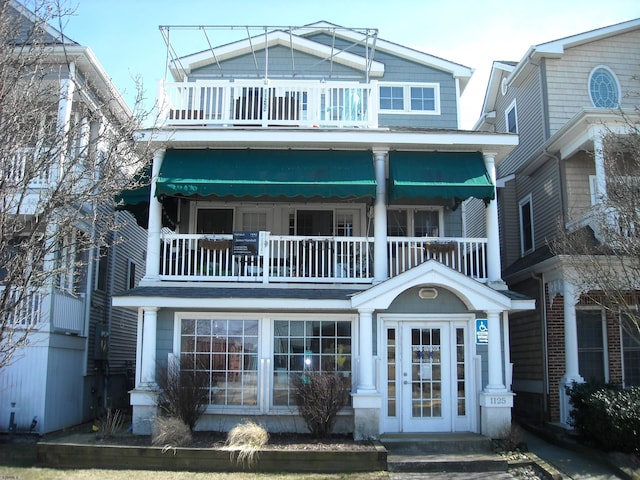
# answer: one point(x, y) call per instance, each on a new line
point(561, 99)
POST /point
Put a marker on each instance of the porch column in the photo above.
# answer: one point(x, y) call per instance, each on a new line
point(63, 120)
point(367, 402)
point(152, 272)
point(144, 396)
point(601, 179)
point(365, 366)
point(496, 381)
point(148, 362)
point(494, 268)
point(571, 375)
point(380, 258)
point(495, 401)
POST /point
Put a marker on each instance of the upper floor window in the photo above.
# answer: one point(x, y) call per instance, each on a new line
point(604, 89)
point(526, 225)
point(414, 223)
point(422, 98)
point(511, 118)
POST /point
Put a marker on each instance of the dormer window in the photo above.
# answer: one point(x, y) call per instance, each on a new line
point(604, 89)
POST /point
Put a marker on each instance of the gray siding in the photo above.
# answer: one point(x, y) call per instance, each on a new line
point(475, 218)
point(577, 170)
point(284, 63)
point(544, 187)
point(531, 121)
point(509, 224)
point(568, 76)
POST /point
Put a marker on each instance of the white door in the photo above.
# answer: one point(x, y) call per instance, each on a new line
point(426, 378)
point(429, 379)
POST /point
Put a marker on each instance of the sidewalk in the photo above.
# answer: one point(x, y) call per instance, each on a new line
point(574, 461)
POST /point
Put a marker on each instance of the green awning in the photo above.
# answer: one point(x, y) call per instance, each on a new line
point(416, 177)
point(268, 174)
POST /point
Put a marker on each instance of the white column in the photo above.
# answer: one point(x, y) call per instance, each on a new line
point(148, 363)
point(601, 179)
point(494, 269)
point(366, 383)
point(63, 120)
point(152, 271)
point(496, 382)
point(570, 298)
point(380, 258)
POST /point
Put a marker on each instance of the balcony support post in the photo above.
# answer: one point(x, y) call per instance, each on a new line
point(494, 268)
point(144, 396)
point(152, 272)
point(380, 259)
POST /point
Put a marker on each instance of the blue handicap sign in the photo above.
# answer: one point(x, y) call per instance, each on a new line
point(482, 331)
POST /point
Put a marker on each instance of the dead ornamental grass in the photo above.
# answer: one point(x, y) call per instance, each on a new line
point(245, 440)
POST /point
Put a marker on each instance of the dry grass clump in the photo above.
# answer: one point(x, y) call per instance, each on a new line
point(170, 432)
point(245, 440)
point(109, 424)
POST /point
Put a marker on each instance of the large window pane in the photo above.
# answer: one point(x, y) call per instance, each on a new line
point(228, 350)
point(301, 346)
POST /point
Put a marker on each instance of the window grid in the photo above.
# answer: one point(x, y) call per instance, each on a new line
point(590, 344)
point(460, 362)
point(409, 98)
point(301, 346)
point(226, 350)
point(603, 88)
point(391, 373)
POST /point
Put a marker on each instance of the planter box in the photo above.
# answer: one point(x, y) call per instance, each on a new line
point(70, 455)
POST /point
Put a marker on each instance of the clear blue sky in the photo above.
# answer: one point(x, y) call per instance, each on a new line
point(125, 38)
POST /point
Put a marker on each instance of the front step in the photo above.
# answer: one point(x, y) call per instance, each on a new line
point(407, 443)
point(434, 462)
point(447, 452)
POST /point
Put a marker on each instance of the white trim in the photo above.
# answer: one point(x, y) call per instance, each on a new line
point(511, 108)
point(605, 339)
point(406, 98)
point(528, 199)
point(615, 80)
point(593, 189)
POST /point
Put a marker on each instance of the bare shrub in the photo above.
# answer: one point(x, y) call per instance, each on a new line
point(246, 439)
point(170, 432)
point(185, 391)
point(109, 424)
point(320, 396)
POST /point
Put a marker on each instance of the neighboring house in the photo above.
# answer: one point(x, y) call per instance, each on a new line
point(81, 354)
point(307, 211)
point(560, 99)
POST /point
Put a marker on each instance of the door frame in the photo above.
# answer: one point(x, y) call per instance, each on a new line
point(394, 423)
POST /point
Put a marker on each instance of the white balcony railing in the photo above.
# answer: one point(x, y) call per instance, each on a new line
point(302, 103)
point(33, 309)
point(15, 170)
point(314, 259)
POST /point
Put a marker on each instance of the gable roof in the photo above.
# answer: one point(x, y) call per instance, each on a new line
point(298, 39)
point(552, 49)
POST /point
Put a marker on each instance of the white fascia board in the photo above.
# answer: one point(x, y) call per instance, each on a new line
point(493, 89)
point(271, 39)
point(232, 303)
point(500, 144)
point(89, 65)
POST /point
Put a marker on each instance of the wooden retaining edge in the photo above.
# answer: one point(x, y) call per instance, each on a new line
point(70, 455)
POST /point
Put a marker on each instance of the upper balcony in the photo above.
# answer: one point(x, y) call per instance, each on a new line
point(272, 103)
point(315, 259)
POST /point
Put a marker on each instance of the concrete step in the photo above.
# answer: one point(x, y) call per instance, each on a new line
point(434, 462)
point(443, 443)
point(441, 452)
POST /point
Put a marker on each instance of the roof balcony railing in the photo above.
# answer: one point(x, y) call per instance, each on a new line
point(272, 103)
point(312, 259)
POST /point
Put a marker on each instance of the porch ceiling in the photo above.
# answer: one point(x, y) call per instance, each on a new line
point(268, 174)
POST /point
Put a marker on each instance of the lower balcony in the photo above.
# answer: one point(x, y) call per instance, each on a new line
point(37, 310)
point(316, 259)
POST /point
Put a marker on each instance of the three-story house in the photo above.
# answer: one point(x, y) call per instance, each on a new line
point(309, 208)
